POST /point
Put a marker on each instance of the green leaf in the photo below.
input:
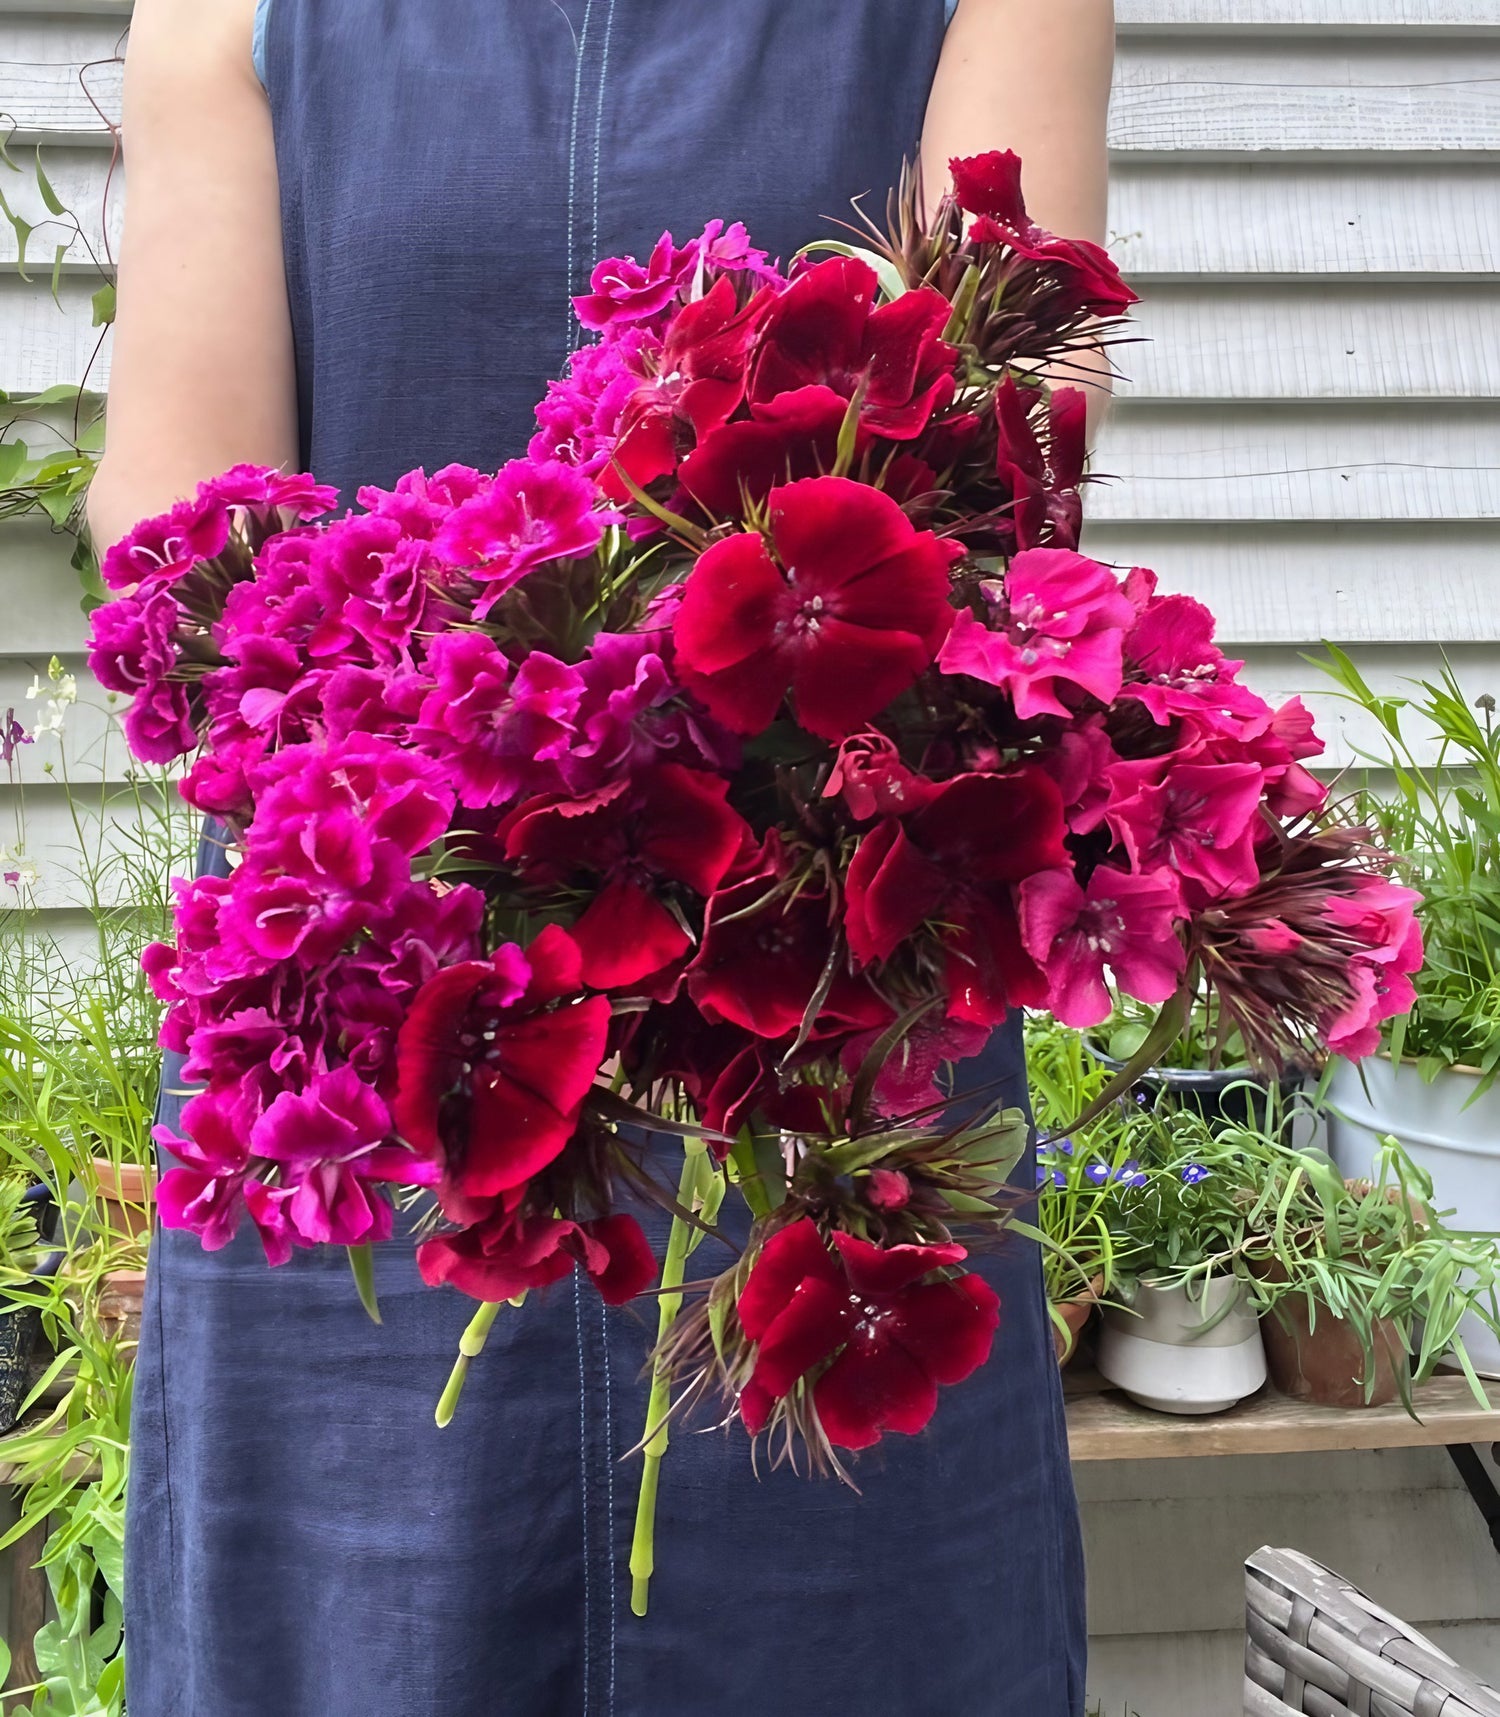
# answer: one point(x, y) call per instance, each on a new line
point(362, 1263)
point(13, 456)
point(60, 393)
point(57, 261)
point(44, 185)
point(889, 276)
point(103, 302)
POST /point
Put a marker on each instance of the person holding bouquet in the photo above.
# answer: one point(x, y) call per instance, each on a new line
point(354, 239)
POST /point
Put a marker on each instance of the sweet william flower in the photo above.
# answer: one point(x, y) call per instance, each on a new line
point(764, 951)
point(665, 825)
point(1121, 923)
point(493, 1063)
point(263, 487)
point(131, 642)
point(534, 512)
point(955, 862)
point(842, 604)
point(331, 1141)
point(1042, 471)
point(887, 1336)
point(160, 550)
point(203, 1191)
point(510, 1252)
point(159, 723)
point(624, 290)
point(1059, 620)
point(989, 186)
point(579, 419)
point(1197, 819)
point(826, 331)
point(503, 730)
point(873, 781)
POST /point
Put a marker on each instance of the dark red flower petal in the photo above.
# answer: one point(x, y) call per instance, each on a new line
point(986, 969)
point(524, 1111)
point(994, 827)
point(500, 1256)
point(794, 435)
point(556, 966)
point(990, 184)
point(949, 1327)
point(884, 1270)
point(646, 450)
point(813, 331)
point(625, 934)
point(617, 1257)
point(855, 673)
point(870, 1390)
point(890, 888)
point(811, 1326)
point(428, 1057)
point(791, 1256)
point(847, 539)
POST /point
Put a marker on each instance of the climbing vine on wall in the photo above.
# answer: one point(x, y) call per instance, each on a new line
point(50, 442)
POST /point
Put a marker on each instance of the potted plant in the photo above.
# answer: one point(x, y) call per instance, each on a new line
point(1204, 1068)
point(1361, 1287)
point(21, 1260)
point(1433, 1087)
point(1072, 1182)
point(1184, 1337)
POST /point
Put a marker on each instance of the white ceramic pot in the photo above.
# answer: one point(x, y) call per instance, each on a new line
point(1455, 1140)
point(1177, 1353)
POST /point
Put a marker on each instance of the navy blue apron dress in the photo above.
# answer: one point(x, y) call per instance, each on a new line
point(302, 1541)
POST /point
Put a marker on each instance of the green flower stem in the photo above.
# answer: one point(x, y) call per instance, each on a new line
point(690, 1189)
point(748, 1176)
point(470, 1346)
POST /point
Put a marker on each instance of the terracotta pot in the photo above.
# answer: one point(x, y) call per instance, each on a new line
point(120, 1305)
point(127, 1196)
point(1325, 1363)
point(1075, 1313)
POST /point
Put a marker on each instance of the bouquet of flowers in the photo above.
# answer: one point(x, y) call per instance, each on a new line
point(721, 771)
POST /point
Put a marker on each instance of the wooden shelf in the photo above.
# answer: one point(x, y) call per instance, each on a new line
point(1103, 1425)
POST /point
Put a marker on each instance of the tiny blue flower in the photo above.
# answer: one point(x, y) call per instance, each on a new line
point(1065, 1146)
point(1130, 1174)
point(1193, 1173)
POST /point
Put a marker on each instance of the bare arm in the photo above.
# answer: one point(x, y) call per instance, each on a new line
point(202, 374)
point(1033, 76)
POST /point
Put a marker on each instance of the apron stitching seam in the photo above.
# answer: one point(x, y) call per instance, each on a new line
point(582, 50)
point(609, 1491)
point(583, 1468)
point(609, 21)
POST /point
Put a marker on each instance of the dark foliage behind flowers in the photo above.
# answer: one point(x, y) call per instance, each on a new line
point(762, 733)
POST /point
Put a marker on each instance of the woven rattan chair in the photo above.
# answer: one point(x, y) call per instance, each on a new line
point(1317, 1645)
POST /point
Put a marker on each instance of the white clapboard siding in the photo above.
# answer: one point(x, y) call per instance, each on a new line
point(62, 74)
point(44, 341)
point(1295, 341)
point(1361, 584)
point(80, 175)
point(1362, 460)
point(1312, 95)
point(1284, 18)
point(1234, 220)
point(39, 593)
